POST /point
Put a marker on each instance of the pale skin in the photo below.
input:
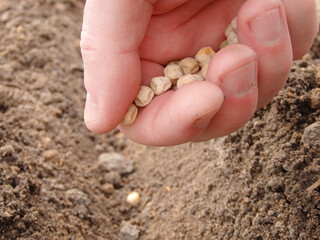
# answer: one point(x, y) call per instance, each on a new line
point(125, 43)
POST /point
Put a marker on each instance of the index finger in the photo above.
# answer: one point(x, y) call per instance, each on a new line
point(111, 34)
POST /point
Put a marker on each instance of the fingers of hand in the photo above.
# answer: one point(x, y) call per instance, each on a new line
point(234, 70)
point(262, 25)
point(303, 24)
point(111, 35)
point(176, 116)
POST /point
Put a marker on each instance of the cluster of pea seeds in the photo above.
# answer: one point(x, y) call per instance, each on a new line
point(179, 73)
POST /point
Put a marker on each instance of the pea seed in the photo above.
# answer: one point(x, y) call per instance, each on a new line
point(144, 97)
point(189, 65)
point(131, 115)
point(160, 85)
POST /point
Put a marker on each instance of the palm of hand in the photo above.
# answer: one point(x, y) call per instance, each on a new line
point(144, 43)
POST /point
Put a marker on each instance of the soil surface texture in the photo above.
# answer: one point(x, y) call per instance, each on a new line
point(59, 181)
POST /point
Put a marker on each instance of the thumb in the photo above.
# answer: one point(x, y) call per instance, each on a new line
point(111, 34)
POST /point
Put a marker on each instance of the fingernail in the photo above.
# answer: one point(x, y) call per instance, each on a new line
point(203, 121)
point(267, 28)
point(239, 82)
point(91, 111)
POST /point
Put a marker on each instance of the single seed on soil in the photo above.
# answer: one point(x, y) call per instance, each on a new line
point(232, 38)
point(224, 44)
point(144, 96)
point(204, 55)
point(173, 72)
point(185, 79)
point(133, 199)
point(160, 84)
point(131, 115)
point(189, 65)
point(204, 70)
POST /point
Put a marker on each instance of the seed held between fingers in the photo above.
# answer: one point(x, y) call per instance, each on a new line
point(185, 79)
point(144, 97)
point(232, 38)
point(189, 65)
point(131, 115)
point(198, 76)
point(204, 70)
point(173, 72)
point(160, 85)
point(228, 30)
point(179, 73)
point(204, 55)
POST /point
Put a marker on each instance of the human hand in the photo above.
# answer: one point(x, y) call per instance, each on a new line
point(125, 43)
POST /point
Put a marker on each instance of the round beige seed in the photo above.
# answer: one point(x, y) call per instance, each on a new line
point(189, 65)
point(173, 72)
point(204, 55)
point(131, 115)
point(185, 79)
point(133, 199)
point(144, 96)
point(160, 85)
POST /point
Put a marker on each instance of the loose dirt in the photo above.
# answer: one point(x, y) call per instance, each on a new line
point(261, 182)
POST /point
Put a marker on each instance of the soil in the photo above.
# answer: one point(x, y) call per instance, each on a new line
point(261, 182)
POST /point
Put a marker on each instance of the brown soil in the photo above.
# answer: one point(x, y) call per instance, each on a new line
point(257, 183)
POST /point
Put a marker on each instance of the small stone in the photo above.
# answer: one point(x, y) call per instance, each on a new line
point(115, 162)
point(278, 225)
point(6, 151)
point(317, 77)
point(60, 7)
point(311, 134)
point(112, 177)
point(15, 169)
point(107, 188)
point(5, 17)
point(77, 197)
point(129, 231)
point(315, 98)
point(50, 154)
